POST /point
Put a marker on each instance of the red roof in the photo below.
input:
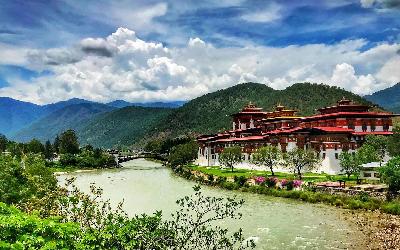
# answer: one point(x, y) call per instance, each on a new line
point(350, 113)
point(283, 131)
point(248, 138)
point(334, 129)
point(374, 133)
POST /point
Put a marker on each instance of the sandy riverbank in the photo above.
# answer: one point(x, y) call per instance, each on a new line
point(382, 230)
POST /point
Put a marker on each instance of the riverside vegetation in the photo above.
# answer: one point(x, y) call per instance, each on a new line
point(36, 213)
point(299, 161)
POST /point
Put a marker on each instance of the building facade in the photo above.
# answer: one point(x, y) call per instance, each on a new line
point(334, 129)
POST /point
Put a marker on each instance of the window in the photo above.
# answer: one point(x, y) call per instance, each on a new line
point(336, 156)
point(364, 127)
point(373, 127)
point(386, 127)
point(367, 174)
point(351, 125)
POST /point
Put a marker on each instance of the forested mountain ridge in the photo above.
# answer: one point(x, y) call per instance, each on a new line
point(105, 126)
point(388, 98)
point(120, 127)
point(68, 117)
point(16, 114)
point(211, 112)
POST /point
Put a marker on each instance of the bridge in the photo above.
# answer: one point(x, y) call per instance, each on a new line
point(120, 158)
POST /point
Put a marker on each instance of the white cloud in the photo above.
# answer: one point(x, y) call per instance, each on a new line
point(367, 3)
point(14, 55)
point(267, 15)
point(123, 66)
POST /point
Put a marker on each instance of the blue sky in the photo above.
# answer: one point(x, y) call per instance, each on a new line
point(32, 32)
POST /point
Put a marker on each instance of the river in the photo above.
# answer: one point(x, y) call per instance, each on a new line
point(276, 223)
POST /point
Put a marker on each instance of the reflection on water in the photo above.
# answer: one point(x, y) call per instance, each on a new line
point(275, 223)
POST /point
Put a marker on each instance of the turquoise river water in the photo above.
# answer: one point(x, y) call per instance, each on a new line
point(275, 223)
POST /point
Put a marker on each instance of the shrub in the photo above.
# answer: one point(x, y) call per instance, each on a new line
point(297, 183)
point(363, 196)
point(220, 180)
point(338, 202)
point(355, 204)
point(392, 208)
point(259, 179)
point(290, 185)
point(271, 182)
point(240, 180)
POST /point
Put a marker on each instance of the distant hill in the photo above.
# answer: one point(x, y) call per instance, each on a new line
point(107, 125)
point(122, 104)
point(211, 112)
point(65, 117)
point(15, 114)
point(388, 98)
point(121, 127)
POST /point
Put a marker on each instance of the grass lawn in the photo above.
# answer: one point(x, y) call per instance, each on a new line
point(216, 171)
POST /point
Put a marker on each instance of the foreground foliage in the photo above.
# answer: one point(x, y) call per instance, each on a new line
point(87, 223)
point(41, 215)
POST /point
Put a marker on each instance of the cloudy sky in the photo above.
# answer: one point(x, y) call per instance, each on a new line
point(144, 50)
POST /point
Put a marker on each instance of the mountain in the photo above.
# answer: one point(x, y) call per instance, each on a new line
point(211, 112)
point(49, 108)
point(65, 117)
point(123, 126)
point(122, 104)
point(16, 114)
point(388, 98)
point(106, 126)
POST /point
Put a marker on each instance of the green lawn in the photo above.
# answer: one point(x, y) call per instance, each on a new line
point(216, 171)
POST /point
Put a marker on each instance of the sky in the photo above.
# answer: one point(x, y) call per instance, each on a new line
point(145, 50)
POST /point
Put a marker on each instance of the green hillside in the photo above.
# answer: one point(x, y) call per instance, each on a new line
point(121, 127)
point(388, 98)
point(49, 126)
point(211, 112)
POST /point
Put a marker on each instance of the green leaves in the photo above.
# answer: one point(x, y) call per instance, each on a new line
point(268, 156)
point(230, 156)
point(390, 174)
point(299, 160)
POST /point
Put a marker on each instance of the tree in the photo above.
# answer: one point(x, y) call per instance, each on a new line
point(231, 156)
point(35, 146)
point(366, 154)
point(268, 156)
point(394, 142)
point(379, 143)
point(183, 154)
point(48, 150)
point(299, 160)
point(56, 144)
point(69, 142)
point(195, 225)
point(3, 143)
point(390, 174)
point(349, 163)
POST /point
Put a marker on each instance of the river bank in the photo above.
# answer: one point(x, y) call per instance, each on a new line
point(276, 223)
point(381, 230)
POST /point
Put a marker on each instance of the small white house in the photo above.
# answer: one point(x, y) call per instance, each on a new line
point(369, 171)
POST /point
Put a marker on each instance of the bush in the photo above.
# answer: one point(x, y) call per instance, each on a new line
point(271, 182)
point(392, 208)
point(289, 185)
point(355, 204)
point(240, 180)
